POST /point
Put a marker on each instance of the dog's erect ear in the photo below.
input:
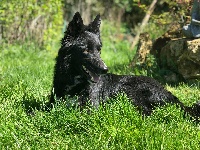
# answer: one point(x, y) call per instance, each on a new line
point(75, 26)
point(95, 25)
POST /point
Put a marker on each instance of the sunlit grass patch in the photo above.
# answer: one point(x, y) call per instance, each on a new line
point(25, 85)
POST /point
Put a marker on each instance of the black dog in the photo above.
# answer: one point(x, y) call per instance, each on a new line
point(80, 71)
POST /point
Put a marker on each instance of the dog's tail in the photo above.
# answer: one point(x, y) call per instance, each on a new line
point(193, 111)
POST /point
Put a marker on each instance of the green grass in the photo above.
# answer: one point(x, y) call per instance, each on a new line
point(115, 51)
point(25, 84)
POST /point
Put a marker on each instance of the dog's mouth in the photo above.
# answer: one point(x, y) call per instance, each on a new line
point(91, 75)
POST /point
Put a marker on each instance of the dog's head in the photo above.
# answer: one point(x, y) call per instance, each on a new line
point(83, 43)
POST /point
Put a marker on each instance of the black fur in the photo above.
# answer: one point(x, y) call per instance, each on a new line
point(80, 71)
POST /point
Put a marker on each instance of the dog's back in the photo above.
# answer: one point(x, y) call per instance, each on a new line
point(80, 71)
point(144, 92)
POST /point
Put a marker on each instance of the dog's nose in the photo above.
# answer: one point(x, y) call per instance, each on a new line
point(105, 69)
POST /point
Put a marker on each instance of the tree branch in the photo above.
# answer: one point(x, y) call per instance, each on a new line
point(144, 22)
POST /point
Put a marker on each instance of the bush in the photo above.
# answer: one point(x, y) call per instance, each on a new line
point(30, 21)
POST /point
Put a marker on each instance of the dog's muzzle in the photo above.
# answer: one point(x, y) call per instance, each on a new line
point(104, 68)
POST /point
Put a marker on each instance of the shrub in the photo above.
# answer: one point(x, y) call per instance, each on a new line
point(30, 21)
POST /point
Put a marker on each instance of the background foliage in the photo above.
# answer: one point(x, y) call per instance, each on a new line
point(43, 21)
point(31, 21)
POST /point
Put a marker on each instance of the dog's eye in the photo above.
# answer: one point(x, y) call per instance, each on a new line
point(85, 52)
point(82, 46)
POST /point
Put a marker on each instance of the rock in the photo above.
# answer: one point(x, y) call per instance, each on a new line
point(146, 46)
point(182, 56)
point(178, 59)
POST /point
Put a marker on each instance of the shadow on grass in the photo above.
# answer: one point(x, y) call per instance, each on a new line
point(32, 105)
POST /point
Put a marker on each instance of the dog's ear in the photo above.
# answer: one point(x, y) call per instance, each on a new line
point(95, 25)
point(75, 26)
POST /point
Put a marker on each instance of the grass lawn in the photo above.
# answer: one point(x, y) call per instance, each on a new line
point(25, 84)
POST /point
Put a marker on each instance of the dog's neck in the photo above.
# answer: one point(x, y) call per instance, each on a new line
point(75, 83)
